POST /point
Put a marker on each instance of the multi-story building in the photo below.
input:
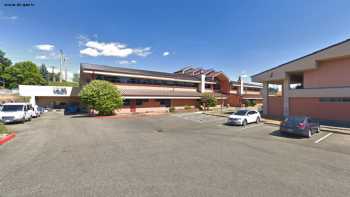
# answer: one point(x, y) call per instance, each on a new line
point(242, 92)
point(317, 85)
point(145, 91)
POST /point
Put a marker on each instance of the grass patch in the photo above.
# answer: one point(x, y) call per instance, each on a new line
point(3, 129)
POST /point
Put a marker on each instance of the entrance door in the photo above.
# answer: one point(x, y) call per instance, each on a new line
point(133, 105)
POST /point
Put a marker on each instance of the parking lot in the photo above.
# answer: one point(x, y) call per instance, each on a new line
point(169, 155)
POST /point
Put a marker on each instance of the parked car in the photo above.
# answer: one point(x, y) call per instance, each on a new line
point(300, 125)
point(71, 109)
point(15, 112)
point(41, 110)
point(31, 110)
point(36, 111)
point(243, 117)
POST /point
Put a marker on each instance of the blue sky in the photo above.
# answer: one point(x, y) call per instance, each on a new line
point(233, 36)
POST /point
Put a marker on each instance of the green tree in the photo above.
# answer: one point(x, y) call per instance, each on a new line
point(53, 77)
point(208, 100)
point(76, 77)
point(23, 73)
point(101, 96)
point(4, 62)
point(44, 72)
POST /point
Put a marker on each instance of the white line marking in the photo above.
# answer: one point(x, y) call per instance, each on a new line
point(322, 138)
point(249, 127)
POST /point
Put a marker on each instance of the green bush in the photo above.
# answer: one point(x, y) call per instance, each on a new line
point(208, 100)
point(249, 103)
point(172, 109)
point(186, 107)
point(101, 96)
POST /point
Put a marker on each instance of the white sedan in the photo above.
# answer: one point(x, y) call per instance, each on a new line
point(243, 117)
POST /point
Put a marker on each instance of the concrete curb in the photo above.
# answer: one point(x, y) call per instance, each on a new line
point(7, 138)
point(219, 115)
point(337, 130)
point(323, 128)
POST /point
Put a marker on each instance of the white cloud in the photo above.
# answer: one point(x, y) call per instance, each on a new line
point(89, 52)
point(114, 49)
point(45, 47)
point(123, 62)
point(41, 57)
point(143, 52)
point(8, 17)
point(166, 53)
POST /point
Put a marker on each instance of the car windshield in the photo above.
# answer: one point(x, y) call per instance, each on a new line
point(295, 119)
point(241, 113)
point(12, 108)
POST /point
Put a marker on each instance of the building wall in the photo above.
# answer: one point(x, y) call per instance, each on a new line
point(314, 108)
point(50, 101)
point(234, 100)
point(331, 73)
point(183, 102)
point(275, 106)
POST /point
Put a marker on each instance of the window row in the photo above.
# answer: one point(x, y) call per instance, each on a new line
point(129, 80)
point(335, 100)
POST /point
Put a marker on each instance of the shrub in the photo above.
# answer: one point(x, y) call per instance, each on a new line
point(249, 103)
point(186, 107)
point(208, 100)
point(101, 96)
point(172, 109)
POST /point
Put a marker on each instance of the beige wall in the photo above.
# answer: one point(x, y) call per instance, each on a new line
point(331, 73)
point(314, 108)
point(275, 105)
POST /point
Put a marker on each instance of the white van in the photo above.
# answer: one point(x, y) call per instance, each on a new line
point(15, 112)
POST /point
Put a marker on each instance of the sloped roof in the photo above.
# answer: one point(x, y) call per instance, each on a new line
point(320, 53)
point(96, 67)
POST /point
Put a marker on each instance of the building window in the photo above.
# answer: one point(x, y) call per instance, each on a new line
point(296, 81)
point(139, 102)
point(126, 102)
point(164, 102)
point(130, 80)
point(335, 100)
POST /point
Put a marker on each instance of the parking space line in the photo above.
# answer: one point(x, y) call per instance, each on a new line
point(249, 127)
point(322, 138)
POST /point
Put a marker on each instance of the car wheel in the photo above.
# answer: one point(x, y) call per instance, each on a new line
point(257, 120)
point(244, 123)
point(309, 133)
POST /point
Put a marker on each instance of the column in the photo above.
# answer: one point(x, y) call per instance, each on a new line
point(285, 93)
point(265, 94)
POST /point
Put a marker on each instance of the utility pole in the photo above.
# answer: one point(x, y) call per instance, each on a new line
point(61, 62)
point(53, 74)
point(65, 69)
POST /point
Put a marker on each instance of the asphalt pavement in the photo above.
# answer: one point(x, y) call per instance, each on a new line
point(168, 155)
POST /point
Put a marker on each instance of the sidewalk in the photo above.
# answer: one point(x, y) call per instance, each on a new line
point(340, 130)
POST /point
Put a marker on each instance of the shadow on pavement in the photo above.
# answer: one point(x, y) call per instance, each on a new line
point(278, 133)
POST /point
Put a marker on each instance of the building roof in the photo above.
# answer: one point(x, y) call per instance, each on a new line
point(96, 67)
point(247, 84)
point(303, 57)
point(161, 93)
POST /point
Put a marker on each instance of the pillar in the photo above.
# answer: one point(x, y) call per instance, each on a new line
point(265, 94)
point(285, 93)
